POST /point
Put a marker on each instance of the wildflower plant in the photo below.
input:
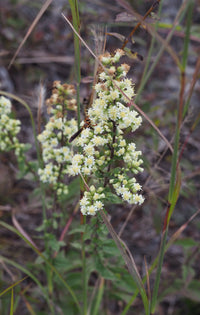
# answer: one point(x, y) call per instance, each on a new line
point(107, 156)
point(100, 153)
point(9, 129)
point(55, 150)
point(108, 159)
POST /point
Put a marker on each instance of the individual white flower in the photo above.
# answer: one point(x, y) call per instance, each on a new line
point(106, 58)
point(114, 94)
point(92, 188)
point(137, 187)
point(118, 54)
point(113, 112)
point(127, 158)
point(54, 142)
point(98, 129)
point(58, 123)
point(74, 169)
point(68, 130)
point(131, 146)
point(98, 87)
point(89, 149)
point(59, 191)
point(58, 156)
point(48, 169)
point(77, 158)
point(66, 153)
point(89, 161)
point(122, 143)
point(86, 170)
point(126, 195)
point(101, 160)
point(81, 141)
point(98, 205)
point(91, 210)
point(120, 177)
point(50, 126)
point(85, 133)
point(96, 196)
point(97, 140)
point(84, 210)
point(137, 199)
point(120, 152)
point(103, 76)
point(4, 119)
point(84, 201)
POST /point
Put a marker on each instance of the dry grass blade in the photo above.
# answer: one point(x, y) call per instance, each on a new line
point(127, 257)
point(41, 94)
point(148, 281)
point(42, 10)
point(45, 59)
point(140, 22)
point(181, 229)
point(152, 31)
point(21, 230)
point(13, 285)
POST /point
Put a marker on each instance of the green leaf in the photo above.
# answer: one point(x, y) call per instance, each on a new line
point(40, 228)
point(124, 281)
point(76, 245)
point(39, 260)
point(54, 244)
point(193, 290)
point(74, 279)
point(188, 273)
point(27, 146)
point(112, 198)
point(74, 190)
point(109, 248)
point(103, 270)
point(177, 285)
point(186, 242)
point(64, 263)
point(55, 224)
point(79, 229)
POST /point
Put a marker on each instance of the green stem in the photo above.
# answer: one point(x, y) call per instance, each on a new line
point(76, 25)
point(158, 272)
point(99, 297)
point(84, 275)
point(180, 109)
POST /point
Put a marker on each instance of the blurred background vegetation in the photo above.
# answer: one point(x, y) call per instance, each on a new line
point(48, 55)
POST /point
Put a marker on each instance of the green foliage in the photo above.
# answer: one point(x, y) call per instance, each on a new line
point(112, 198)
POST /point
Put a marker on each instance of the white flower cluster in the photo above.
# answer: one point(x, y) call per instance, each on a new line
point(91, 201)
point(127, 188)
point(56, 154)
point(102, 143)
point(9, 128)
